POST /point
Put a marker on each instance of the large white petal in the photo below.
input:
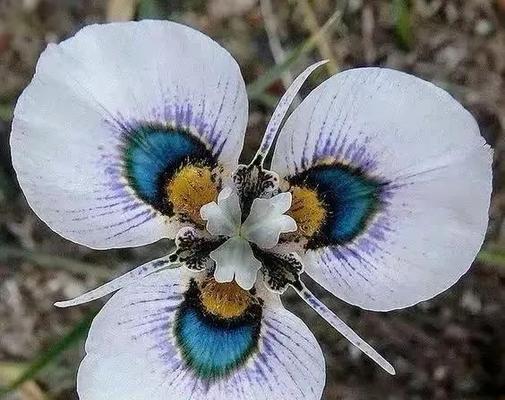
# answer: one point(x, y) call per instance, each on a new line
point(86, 105)
point(132, 353)
point(433, 171)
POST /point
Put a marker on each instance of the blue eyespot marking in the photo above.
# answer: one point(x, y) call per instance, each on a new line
point(351, 198)
point(213, 347)
point(153, 154)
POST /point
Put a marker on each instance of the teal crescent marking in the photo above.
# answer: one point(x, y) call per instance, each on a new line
point(153, 154)
point(214, 347)
point(350, 197)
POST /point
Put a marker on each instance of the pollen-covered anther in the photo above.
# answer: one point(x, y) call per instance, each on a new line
point(189, 189)
point(225, 300)
point(307, 210)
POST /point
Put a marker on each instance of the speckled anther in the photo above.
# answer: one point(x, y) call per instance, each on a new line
point(307, 209)
point(225, 300)
point(190, 188)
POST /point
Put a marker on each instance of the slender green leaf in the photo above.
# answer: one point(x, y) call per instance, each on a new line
point(494, 257)
point(152, 9)
point(256, 89)
point(403, 25)
point(72, 338)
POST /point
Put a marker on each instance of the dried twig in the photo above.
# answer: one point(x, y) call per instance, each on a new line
point(323, 44)
point(121, 10)
point(274, 41)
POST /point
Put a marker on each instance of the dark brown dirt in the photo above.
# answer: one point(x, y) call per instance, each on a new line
point(452, 347)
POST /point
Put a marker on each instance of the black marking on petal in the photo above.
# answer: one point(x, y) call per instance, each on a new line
point(193, 250)
point(279, 270)
point(252, 182)
point(159, 263)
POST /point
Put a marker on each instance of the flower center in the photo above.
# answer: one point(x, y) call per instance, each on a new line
point(260, 229)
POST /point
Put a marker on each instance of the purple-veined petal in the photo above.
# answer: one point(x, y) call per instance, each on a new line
point(134, 350)
point(405, 177)
point(111, 110)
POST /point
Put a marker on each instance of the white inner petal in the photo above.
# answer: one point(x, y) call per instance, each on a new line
point(223, 217)
point(267, 221)
point(235, 260)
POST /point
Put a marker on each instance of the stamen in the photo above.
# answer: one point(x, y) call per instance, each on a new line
point(307, 210)
point(120, 282)
point(280, 112)
point(345, 330)
point(189, 189)
point(225, 300)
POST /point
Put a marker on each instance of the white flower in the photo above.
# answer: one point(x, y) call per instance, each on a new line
point(263, 226)
point(128, 133)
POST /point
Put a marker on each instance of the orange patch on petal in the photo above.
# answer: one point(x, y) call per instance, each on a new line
point(307, 210)
point(189, 189)
point(225, 300)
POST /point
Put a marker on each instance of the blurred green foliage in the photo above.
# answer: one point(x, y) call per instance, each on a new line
point(403, 23)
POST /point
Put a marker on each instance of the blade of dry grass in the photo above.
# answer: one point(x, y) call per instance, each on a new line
point(257, 88)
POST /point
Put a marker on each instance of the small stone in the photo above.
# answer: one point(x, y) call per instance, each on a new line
point(440, 373)
point(471, 302)
point(483, 27)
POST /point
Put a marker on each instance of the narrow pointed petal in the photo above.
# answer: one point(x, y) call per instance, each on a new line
point(281, 110)
point(391, 180)
point(154, 340)
point(119, 283)
point(115, 124)
point(345, 330)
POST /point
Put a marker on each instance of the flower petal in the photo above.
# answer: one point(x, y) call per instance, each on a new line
point(120, 282)
point(266, 220)
point(345, 330)
point(281, 110)
point(223, 217)
point(140, 343)
point(403, 179)
point(109, 120)
point(235, 261)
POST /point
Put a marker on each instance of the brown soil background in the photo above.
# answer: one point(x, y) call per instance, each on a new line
point(452, 347)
